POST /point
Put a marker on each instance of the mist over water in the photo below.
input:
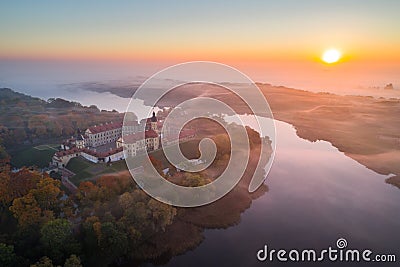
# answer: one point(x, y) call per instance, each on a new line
point(76, 80)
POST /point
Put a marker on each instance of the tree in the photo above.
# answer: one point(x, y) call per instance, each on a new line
point(48, 193)
point(126, 200)
point(89, 235)
point(87, 191)
point(162, 214)
point(5, 197)
point(94, 108)
point(43, 262)
point(57, 239)
point(35, 125)
point(14, 185)
point(111, 185)
point(144, 216)
point(254, 137)
point(39, 205)
point(53, 128)
point(27, 211)
point(73, 261)
point(3, 152)
point(194, 180)
point(112, 240)
point(7, 255)
point(19, 135)
point(223, 144)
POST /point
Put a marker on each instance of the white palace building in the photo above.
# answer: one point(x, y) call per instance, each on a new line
point(105, 143)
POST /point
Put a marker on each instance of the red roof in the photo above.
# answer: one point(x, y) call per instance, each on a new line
point(105, 127)
point(67, 152)
point(88, 151)
point(132, 138)
point(106, 154)
point(150, 134)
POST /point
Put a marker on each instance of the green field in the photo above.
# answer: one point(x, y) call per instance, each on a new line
point(189, 150)
point(85, 170)
point(39, 156)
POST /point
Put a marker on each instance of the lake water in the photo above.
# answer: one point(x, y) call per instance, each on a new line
point(316, 196)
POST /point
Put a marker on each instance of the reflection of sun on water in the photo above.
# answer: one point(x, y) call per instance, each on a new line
point(331, 56)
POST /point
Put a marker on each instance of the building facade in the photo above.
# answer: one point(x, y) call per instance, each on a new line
point(105, 142)
point(103, 134)
point(135, 144)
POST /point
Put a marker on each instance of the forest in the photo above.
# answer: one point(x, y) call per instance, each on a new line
point(104, 222)
point(27, 120)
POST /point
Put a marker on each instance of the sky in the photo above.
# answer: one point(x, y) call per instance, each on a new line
point(265, 39)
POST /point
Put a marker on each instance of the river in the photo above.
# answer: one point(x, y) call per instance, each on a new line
point(316, 196)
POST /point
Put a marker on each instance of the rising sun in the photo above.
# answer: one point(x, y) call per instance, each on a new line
point(331, 56)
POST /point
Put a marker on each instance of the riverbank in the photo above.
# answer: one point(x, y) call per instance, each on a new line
point(366, 129)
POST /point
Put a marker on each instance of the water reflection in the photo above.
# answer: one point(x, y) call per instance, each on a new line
point(317, 195)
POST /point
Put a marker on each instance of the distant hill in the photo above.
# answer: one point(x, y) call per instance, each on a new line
point(8, 94)
point(26, 119)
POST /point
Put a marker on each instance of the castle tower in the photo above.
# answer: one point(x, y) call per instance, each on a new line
point(80, 141)
point(153, 122)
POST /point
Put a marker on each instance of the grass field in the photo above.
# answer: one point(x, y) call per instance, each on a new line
point(189, 150)
point(79, 164)
point(85, 170)
point(39, 156)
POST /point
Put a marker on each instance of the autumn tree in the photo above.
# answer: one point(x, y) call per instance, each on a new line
point(39, 205)
point(13, 185)
point(27, 211)
point(111, 185)
point(73, 261)
point(23, 181)
point(161, 214)
point(254, 137)
point(47, 193)
point(5, 197)
point(194, 180)
point(223, 144)
point(146, 215)
point(36, 126)
point(43, 262)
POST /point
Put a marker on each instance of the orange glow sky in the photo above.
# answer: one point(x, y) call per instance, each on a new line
point(261, 36)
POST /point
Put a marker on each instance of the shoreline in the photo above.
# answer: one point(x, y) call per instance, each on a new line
point(365, 128)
